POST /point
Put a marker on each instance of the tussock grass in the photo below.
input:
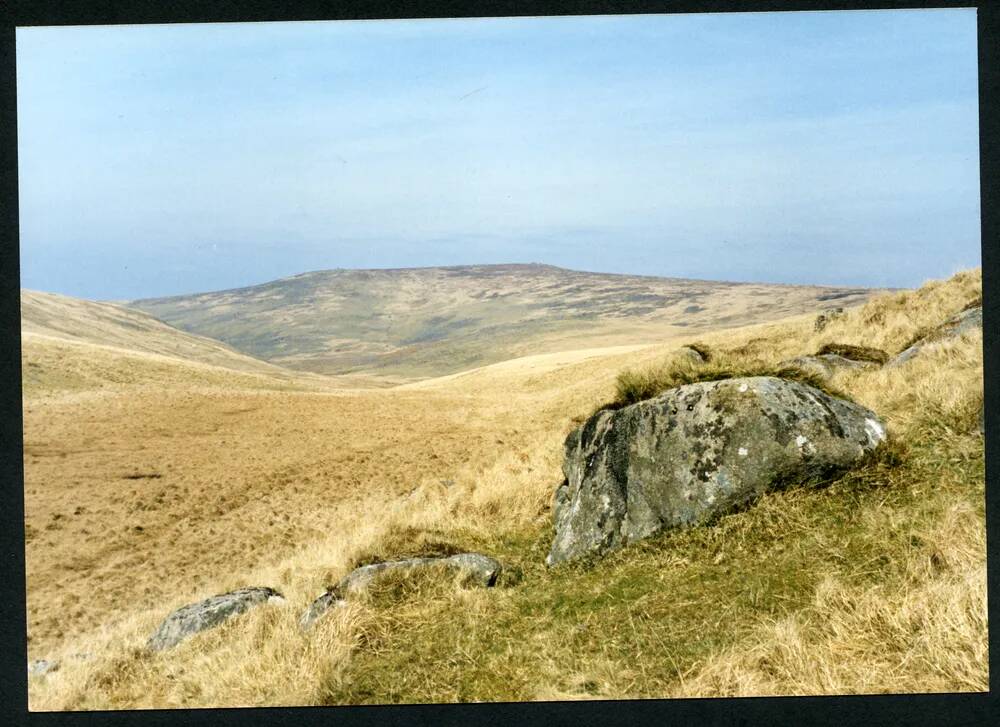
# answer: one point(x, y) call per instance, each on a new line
point(406, 542)
point(874, 582)
point(892, 320)
point(632, 385)
point(701, 349)
point(855, 353)
point(873, 638)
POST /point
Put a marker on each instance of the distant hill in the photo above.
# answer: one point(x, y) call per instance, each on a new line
point(108, 324)
point(433, 321)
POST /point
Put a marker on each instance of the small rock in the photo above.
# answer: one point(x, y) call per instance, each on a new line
point(41, 667)
point(957, 325)
point(473, 569)
point(327, 600)
point(826, 364)
point(195, 617)
point(696, 354)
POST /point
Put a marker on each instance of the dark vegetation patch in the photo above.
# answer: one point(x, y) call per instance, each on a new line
point(921, 333)
point(976, 302)
point(854, 353)
point(649, 598)
point(702, 350)
point(142, 476)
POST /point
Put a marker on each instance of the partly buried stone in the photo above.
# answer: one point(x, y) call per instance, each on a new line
point(195, 617)
point(959, 324)
point(826, 317)
point(695, 353)
point(826, 364)
point(696, 451)
point(41, 667)
point(472, 569)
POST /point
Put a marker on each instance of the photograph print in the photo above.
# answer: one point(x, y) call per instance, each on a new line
point(501, 359)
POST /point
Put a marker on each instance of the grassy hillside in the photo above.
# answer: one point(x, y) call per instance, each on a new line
point(421, 322)
point(82, 321)
point(74, 345)
point(873, 583)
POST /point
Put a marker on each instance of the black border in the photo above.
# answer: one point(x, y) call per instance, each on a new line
point(940, 709)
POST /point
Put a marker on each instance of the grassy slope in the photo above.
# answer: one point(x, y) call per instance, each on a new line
point(82, 321)
point(74, 345)
point(431, 321)
point(873, 583)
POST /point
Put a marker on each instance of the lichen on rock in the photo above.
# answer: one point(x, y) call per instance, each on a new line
point(189, 620)
point(696, 451)
point(472, 569)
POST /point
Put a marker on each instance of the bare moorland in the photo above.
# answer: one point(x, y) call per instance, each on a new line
point(161, 468)
point(423, 322)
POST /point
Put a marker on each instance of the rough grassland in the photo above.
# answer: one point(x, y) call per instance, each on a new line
point(873, 583)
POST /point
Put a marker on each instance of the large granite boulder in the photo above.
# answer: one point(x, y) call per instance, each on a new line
point(471, 569)
point(959, 324)
point(696, 451)
point(195, 617)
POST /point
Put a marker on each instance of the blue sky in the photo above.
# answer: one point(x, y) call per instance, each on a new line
point(825, 147)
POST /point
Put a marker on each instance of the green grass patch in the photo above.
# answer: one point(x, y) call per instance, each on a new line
point(632, 624)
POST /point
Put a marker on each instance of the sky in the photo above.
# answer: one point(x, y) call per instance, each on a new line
point(833, 148)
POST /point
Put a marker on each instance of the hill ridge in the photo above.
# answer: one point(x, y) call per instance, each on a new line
point(436, 320)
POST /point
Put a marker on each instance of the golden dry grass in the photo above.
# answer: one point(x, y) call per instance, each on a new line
point(876, 583)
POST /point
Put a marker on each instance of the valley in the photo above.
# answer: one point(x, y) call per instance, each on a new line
point(162, 466)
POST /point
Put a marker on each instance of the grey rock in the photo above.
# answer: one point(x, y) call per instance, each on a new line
point(691, 354)
point(959, 324)
point(195, 617)
point(472, 569)
point(824, 319)
point(826, 364)
point(696, 451)
point(318, 608)
point(41, 667)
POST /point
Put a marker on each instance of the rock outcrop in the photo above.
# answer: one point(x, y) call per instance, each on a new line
point(696, 451)
point(471, 569)
point(834, 357)
point(195, 617)
point(959, 324)
point(826, 364)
